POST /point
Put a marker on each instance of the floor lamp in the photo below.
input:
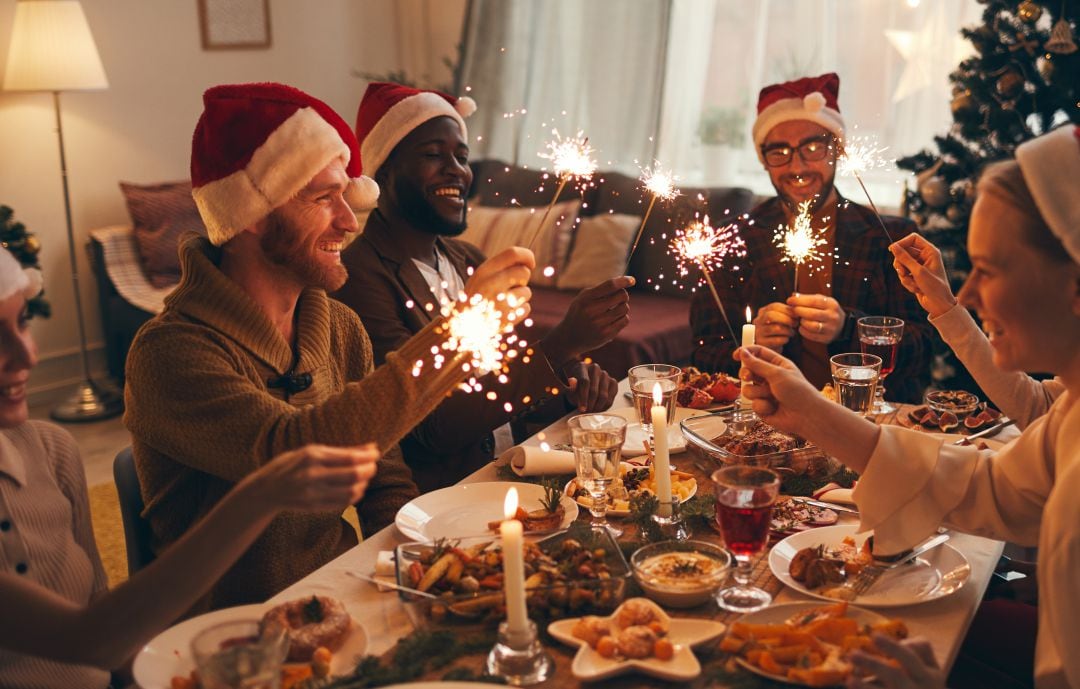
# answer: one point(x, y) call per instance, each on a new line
point(52, 50)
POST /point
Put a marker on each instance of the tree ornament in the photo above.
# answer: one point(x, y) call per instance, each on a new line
point(32, 245)
point(962, 103)
point(1029, 11)
point(1046, 68)
point(1061, 41)
point(935, 192)
point(955, 213)
point(1010, 84)
point(1024, 43)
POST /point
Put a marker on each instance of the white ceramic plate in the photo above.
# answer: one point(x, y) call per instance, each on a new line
point(777, 614)
point(466, 509)
point(936, 574)
point(168, 654)
point(636, 435)
point(684, 633)
point(572, 485)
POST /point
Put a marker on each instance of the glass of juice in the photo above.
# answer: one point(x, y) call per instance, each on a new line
point(880, 336)
point(744, 500)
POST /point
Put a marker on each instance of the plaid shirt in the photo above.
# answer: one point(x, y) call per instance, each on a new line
point(863, 281)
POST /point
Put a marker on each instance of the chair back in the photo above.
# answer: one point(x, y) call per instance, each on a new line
point(137, 533)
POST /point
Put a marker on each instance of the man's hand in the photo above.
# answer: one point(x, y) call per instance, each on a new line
point(778, 391)
point(911, 665)
point(775, 325)
point(595, 316)
point(317, 477)
point(922, 272)
point(590, 387)
point(821, 318)
point(503, 279)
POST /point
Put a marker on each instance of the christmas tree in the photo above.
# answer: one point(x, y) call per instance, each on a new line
point(1023, 81)
point(25, 247)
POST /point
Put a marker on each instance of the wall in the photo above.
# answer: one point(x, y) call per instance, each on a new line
point(139, 129)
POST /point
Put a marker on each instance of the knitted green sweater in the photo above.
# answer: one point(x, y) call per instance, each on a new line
point(202, 416)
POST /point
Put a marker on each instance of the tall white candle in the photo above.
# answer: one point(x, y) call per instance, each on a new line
point(512, 533)
point(661, 460)
point(749, 334)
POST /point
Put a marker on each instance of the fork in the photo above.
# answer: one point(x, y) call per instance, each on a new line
point(869, 575)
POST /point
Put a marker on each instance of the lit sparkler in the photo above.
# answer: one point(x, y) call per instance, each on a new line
point(860, 154)
point(707, 247)
point(571, 158)
point(800, 242)
point(661, 185)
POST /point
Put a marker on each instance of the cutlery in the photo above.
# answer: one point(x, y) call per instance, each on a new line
point(390, 585)
point(827, 505)
point(869, 575)
point(1003, 423)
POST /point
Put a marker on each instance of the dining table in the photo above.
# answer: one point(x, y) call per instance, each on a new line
point(384, 619)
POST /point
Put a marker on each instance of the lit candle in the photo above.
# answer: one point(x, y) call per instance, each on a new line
point(511, 530)
point(749, 333)
point(661, 461)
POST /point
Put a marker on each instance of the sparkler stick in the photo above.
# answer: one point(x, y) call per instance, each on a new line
point(799, 242)
point(570, 158)
point(662, 186)
point(861, 154)
point(707, 247)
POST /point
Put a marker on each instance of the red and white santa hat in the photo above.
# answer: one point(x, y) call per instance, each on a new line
point(1051, 167)
point(256, 145)
point(809, 98)
point(388, 112)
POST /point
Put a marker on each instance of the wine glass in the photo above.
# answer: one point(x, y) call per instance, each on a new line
point(597, 440)
point(642, 380)
point(744, 500)
point(880, 336)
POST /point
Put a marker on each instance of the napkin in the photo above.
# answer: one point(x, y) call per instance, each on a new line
point(384, 568)
point(832, 492)
point(533, 461)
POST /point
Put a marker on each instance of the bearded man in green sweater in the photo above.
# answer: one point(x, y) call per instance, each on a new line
point(250, 358)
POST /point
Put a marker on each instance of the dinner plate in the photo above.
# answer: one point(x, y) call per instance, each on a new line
point(636, 435)
point(168, 654)
point(684, 633)
point(466, 509)
point(613, 509)
point(938, 573)
point(778, 614)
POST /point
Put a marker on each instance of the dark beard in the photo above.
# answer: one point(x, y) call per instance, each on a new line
point(281, 247)
point(419, 213)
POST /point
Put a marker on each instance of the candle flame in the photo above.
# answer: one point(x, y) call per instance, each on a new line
point(748, 316)
point(660, 183)
point(800, 241)
point(571, 158)
point(510, 505)
point(657, 394)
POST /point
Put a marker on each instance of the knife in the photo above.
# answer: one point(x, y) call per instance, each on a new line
point(827, 505)
point(929, 544)
point(1003, 423)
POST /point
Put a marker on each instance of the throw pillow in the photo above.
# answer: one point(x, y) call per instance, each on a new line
point(599, 252)
point(161, 214)
point(494, 229)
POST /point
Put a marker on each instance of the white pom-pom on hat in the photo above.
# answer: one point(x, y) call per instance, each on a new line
point(465, 106)
point(362, 194)
point(814, 101)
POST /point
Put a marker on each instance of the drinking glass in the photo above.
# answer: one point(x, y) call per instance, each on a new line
point(241, 654)
point(642, 380)
point(597, 440)
point(855, 377)
point(880, 336)
point(744, 500)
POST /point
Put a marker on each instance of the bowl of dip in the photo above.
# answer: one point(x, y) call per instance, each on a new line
point(680, 574)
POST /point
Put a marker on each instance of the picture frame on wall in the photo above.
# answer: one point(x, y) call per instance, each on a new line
point(234, 24)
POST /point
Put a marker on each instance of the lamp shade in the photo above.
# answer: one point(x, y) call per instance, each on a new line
point(52, 49)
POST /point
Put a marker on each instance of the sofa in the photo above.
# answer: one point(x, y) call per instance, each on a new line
point(592, 226)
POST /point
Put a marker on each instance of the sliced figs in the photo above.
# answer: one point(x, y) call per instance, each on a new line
point(948, 421)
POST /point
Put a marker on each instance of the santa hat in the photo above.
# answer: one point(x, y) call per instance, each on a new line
point(388, 112)
point(256, 145)
point(15, 279)
point(811, 98)
point(1051, 167)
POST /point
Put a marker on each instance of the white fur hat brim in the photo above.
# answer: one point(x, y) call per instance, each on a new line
point(405, 116)
point(811, 108)
point(1051, 167)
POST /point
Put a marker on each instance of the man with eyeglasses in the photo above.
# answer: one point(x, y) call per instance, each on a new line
point(799, 134)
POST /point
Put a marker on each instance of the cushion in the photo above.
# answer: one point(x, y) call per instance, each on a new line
point(494, 229)
point(599, 251)
point(161, 214)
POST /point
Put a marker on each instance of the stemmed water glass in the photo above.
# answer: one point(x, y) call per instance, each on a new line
point(597, 440)
point(744, 500)
point(643, 379)
point(880, 336)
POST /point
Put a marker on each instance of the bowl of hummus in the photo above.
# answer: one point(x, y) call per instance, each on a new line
point(680, 574)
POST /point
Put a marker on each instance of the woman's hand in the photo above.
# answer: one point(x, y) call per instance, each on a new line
point(503, 280)
point(317, 478)
point(920, 268)
point(917, 667)
point(778, 391)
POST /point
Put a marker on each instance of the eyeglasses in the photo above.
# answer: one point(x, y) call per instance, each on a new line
point(811, 151)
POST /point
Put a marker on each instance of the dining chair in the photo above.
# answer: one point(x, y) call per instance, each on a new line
point(137, 533)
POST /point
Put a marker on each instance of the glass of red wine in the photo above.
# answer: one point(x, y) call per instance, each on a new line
point(744, 500)
point(880, 336)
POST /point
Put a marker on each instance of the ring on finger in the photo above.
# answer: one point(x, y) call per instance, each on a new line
point(820, 326)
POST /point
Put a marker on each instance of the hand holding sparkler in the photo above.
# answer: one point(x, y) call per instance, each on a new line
point(570, 159)
point(706, 247)
point(661, 185)
point(860, 153)
point(503, 279)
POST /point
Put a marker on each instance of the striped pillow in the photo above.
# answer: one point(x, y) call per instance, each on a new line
point(161, 214)
point(494, 229)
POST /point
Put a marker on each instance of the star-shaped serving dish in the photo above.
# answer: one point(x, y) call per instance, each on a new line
point(684, 633)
